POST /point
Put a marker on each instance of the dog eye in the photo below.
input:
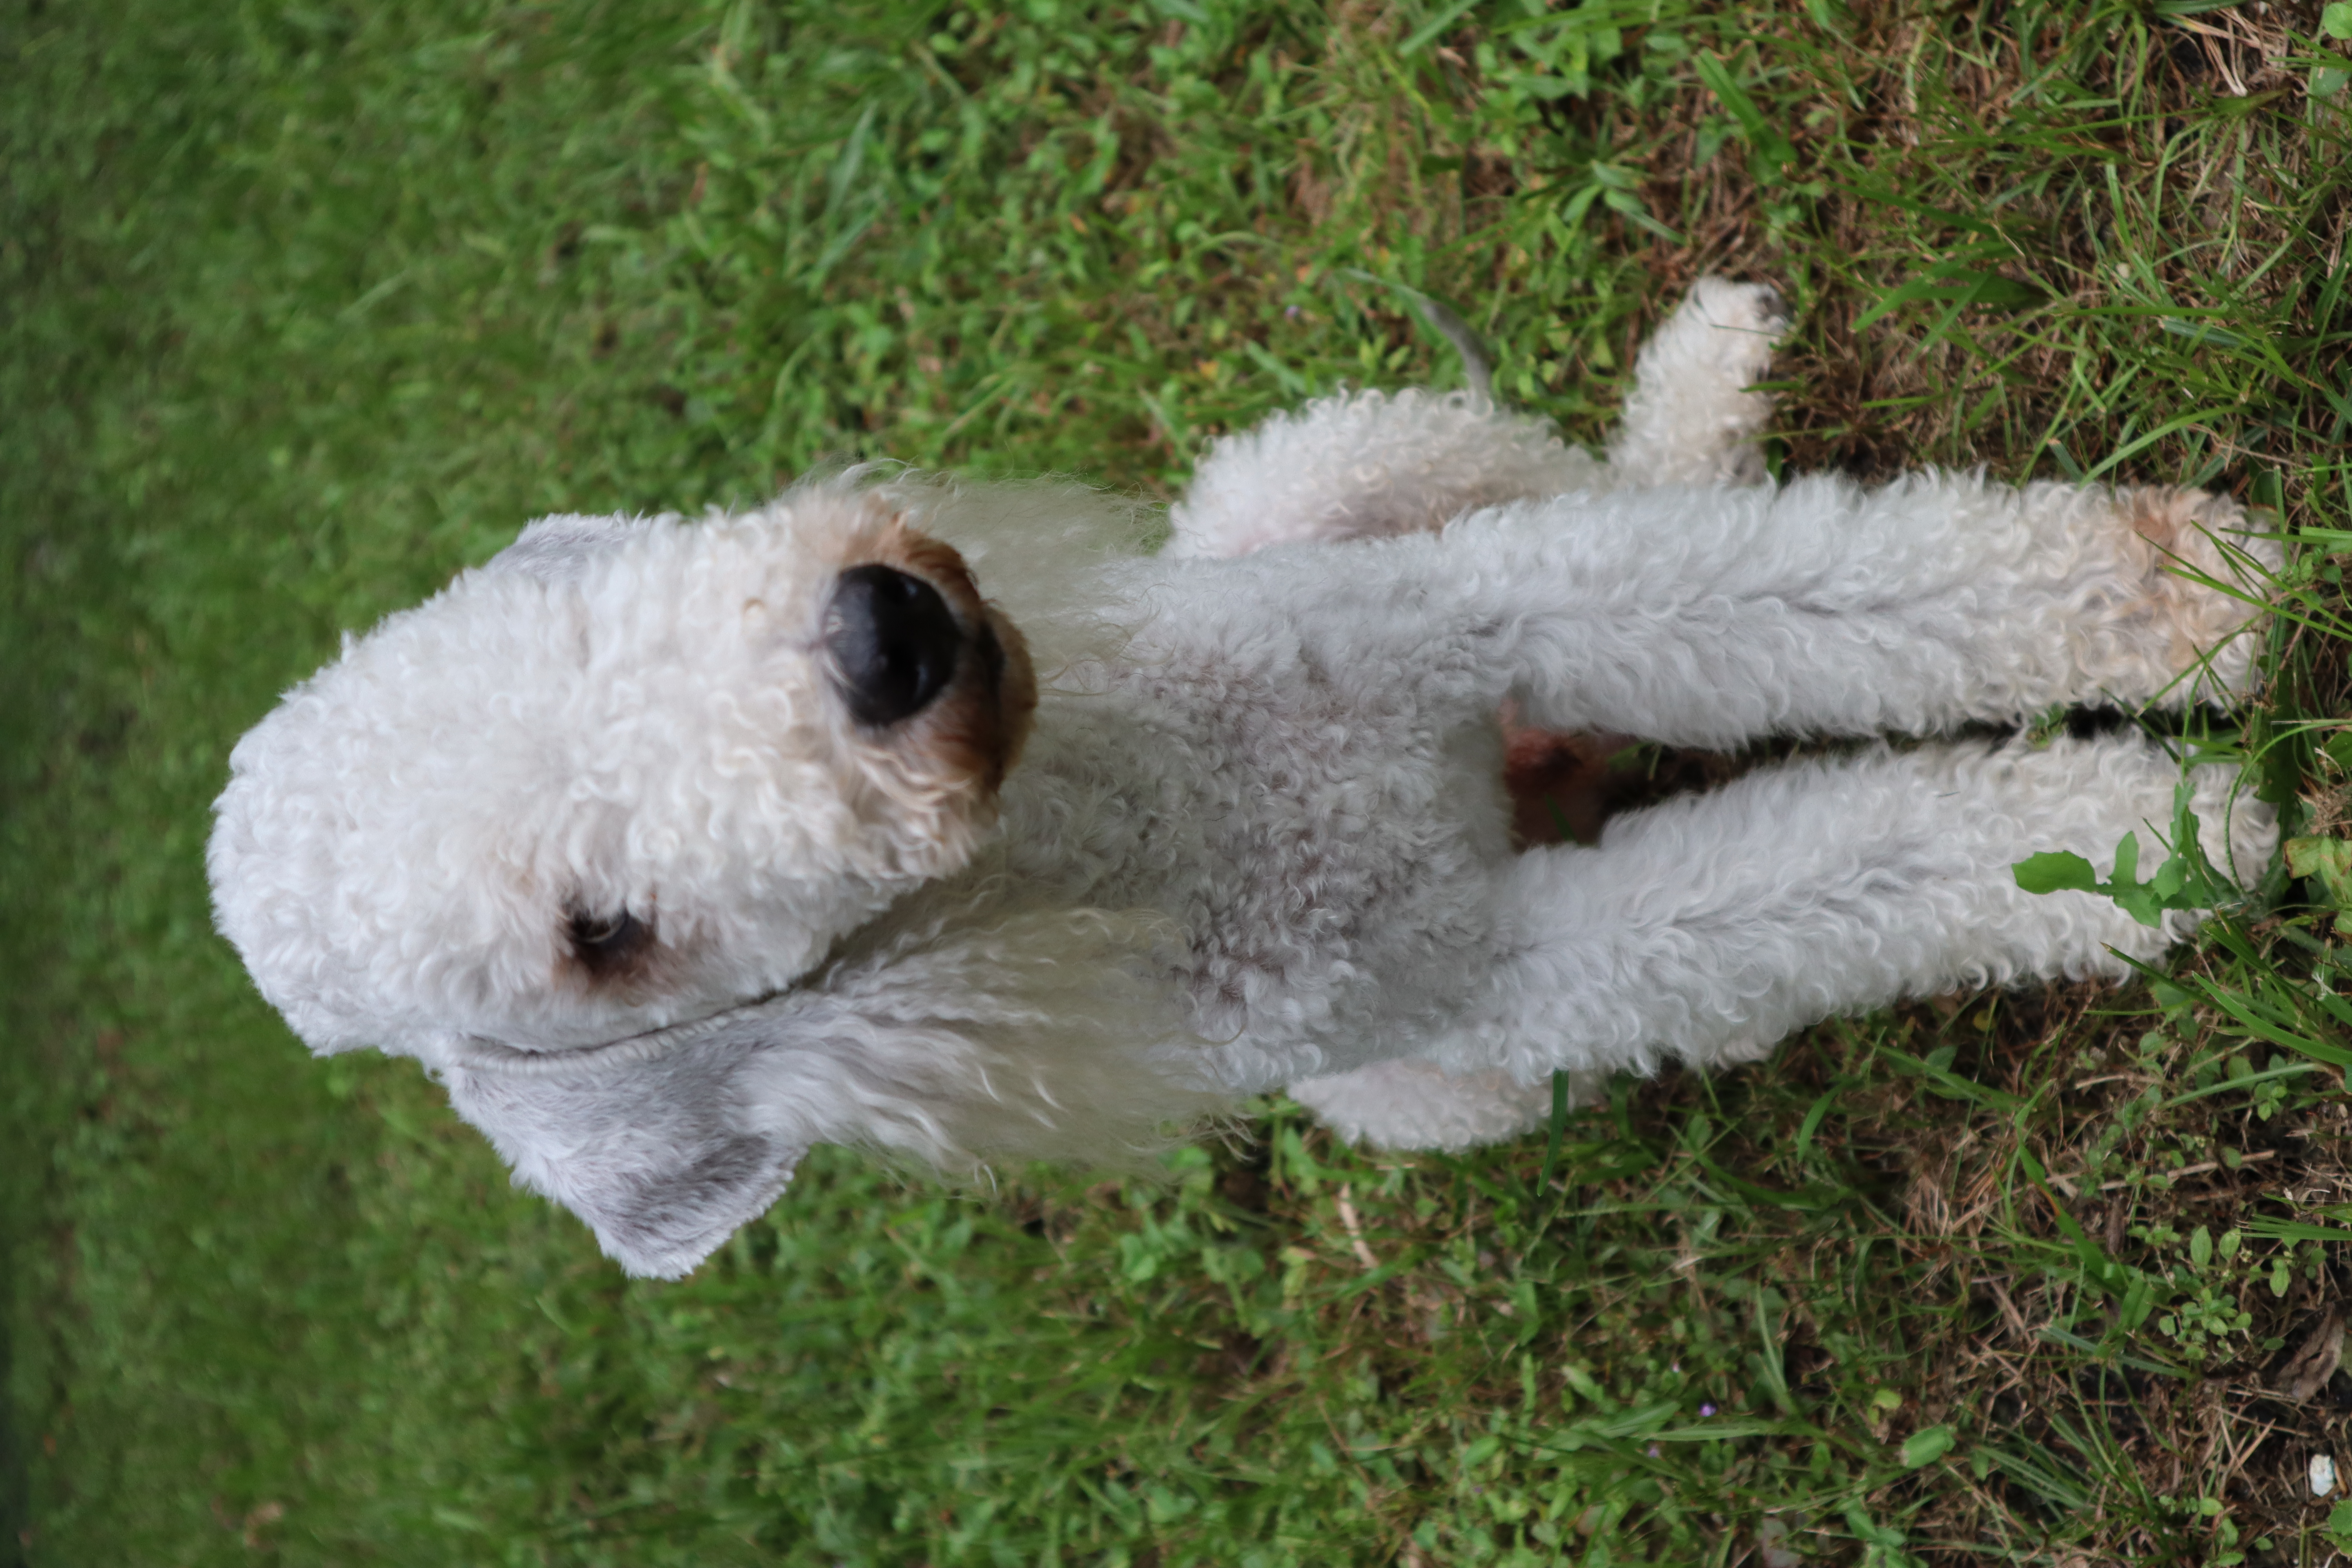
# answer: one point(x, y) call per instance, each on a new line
point(893, 642)
point(608, 944)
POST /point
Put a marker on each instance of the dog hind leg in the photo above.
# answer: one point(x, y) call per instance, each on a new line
point(1363, 464)
point(1694, 414)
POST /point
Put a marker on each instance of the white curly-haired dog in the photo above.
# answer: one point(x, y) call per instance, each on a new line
point(674, 848)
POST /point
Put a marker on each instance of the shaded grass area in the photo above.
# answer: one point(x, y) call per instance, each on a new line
point(307, 306)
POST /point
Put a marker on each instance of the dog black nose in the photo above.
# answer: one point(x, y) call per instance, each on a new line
point(893, 642)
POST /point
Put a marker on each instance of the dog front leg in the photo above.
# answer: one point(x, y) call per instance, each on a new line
point(1710, 618)
point(1704, 929)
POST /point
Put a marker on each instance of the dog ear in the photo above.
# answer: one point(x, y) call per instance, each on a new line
point(1050, 1035)
point(657, 1152)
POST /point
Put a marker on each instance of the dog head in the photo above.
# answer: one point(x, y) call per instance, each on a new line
point(627, 775)
point(630, 776)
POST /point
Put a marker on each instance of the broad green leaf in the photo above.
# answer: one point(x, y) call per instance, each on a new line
point(1927, 1445)
point(2055, 870)
point(2328, 860)
point(2126, 872)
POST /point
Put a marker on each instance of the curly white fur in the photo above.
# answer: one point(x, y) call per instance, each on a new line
point(599, 836)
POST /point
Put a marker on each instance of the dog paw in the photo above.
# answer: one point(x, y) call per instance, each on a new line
point(1733, 327)
point(2204, 568)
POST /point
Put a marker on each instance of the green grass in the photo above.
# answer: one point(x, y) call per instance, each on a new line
point(305, 308)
